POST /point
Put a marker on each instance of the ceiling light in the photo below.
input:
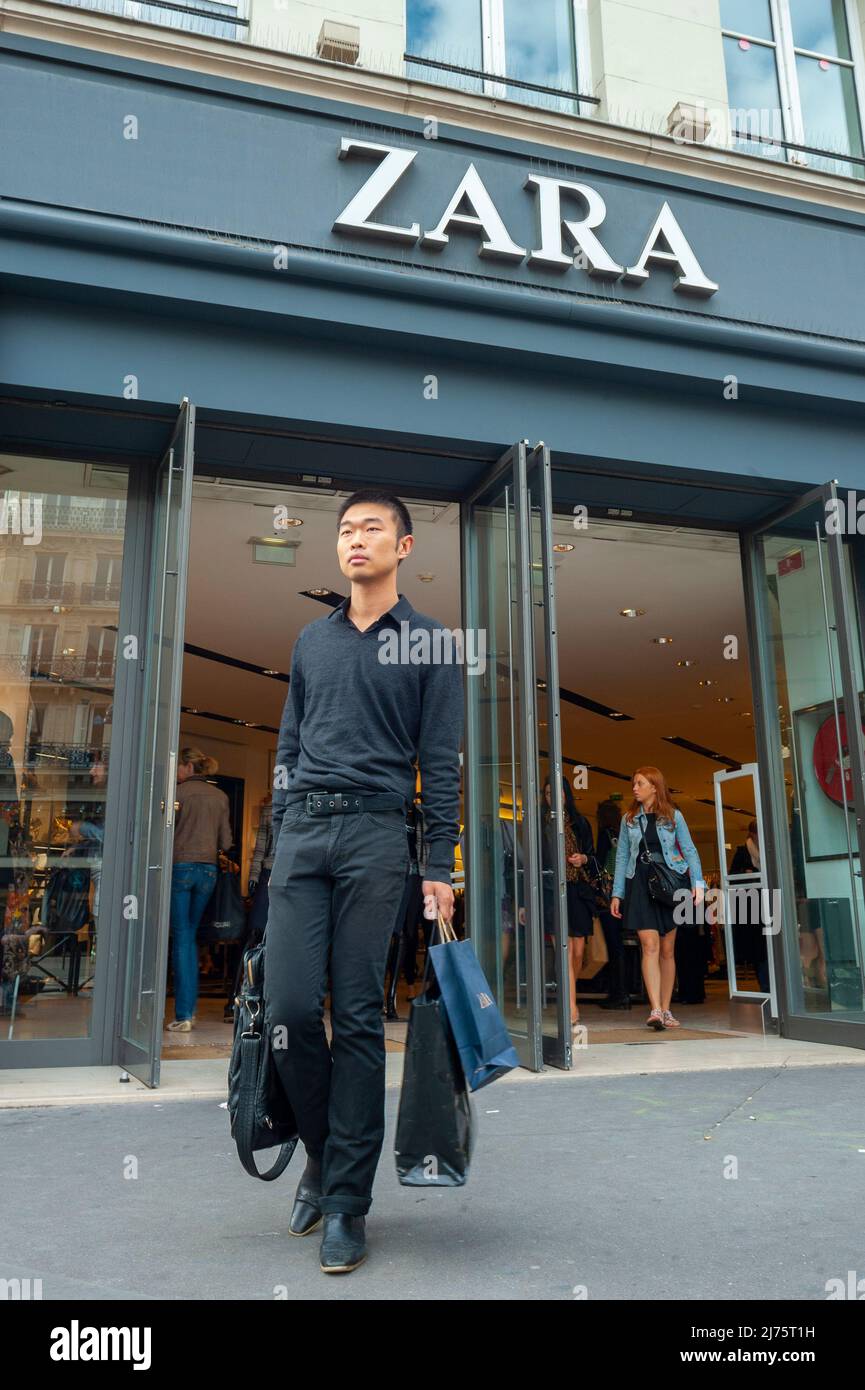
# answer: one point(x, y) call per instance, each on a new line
point(686, 663)
point(617, 714)
point(426, 578)
point(708, 681)
point(724, 699)
point(319, 593)
point(562, 549)
point(662, 641)
point(269, 671)
point(288, 521)
point(632, 612)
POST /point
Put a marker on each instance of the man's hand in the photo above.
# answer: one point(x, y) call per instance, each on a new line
point(443, 894)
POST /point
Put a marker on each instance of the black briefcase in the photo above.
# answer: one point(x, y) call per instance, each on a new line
point(261, 1116)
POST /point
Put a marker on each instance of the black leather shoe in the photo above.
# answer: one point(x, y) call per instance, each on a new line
point(343, 1245)
point(306, 1213)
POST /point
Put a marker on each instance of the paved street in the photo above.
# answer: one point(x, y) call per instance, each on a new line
point(606, 1183)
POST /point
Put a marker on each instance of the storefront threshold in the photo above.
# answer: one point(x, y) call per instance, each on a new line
point(206, 1079)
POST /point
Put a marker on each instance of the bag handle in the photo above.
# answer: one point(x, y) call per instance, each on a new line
point(446, 930)
point(446, 934)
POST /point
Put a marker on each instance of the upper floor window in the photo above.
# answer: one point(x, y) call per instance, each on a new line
point(218, 19)
point(477, 43)
point(794, 71)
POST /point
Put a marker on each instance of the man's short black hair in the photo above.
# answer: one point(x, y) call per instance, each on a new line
point(377, 497)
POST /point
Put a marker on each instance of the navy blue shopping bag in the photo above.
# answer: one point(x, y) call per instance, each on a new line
point(485, 1049)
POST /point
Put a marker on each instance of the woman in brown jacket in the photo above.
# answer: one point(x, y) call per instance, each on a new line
point(202, 829)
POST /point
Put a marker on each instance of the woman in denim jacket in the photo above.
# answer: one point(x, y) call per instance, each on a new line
point(654, 818)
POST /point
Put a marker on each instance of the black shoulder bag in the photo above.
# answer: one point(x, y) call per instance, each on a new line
point(260, 1114)
point(662, 881)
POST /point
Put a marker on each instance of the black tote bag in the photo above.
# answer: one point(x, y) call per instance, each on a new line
point(224, 918)
point(435, 1123)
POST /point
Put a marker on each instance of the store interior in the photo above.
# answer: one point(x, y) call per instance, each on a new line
point(627, 699)
point(234, 685)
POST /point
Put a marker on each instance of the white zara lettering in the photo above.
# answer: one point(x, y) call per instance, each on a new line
point(472, 209)
point(368, 199)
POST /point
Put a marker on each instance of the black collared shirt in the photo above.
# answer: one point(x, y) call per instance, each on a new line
point(363, 708)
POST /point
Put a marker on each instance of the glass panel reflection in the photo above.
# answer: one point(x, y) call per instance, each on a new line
point(753, 99)
point(821, 26)
point(499, 932)
point(60, 573)
point(747, 17)
point(448, 31)
point(830, 113)
point(539, 47)
point(824, 943)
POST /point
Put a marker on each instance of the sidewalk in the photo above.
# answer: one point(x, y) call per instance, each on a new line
point(206, 1078)
point(610, 1188)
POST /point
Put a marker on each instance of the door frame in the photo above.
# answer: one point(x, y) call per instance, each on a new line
point(844, 1033)
point(151, 922)
point(518, 464)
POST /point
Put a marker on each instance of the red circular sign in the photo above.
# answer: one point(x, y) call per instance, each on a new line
point(831, 769)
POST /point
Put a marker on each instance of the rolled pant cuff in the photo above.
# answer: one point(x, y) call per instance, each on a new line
point(353, 1206)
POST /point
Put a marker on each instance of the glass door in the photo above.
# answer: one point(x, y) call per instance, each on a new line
point(810, 682)
point(161, 657)
point(746, 912)
point(506, 525)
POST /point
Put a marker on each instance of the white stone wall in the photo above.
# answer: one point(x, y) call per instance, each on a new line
point(647, 55)
point(294, 26)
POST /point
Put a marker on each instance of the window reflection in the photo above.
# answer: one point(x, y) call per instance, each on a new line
point(60, 572)
point(747, 17)
point(448, 31)
point(539, 47)
point(821, 26)
point(753, 99)
point(829, 112)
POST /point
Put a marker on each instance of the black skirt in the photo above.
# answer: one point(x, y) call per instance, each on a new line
point(580, 914)
point(641, 911)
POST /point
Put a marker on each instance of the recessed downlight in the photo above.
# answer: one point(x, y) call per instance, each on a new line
point(319, 593)
point(662, 641)
point(632, 612)
point(707, 681)
point(687, 662)
point(562, 548)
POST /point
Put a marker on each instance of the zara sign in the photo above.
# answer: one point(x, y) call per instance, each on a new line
point(471, 207)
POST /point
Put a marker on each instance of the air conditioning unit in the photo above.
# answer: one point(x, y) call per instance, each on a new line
point(340, 43)
point(689, 124)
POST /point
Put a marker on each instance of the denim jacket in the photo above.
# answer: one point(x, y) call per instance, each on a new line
point(680, 852)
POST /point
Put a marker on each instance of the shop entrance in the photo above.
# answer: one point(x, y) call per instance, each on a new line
point(611, 645)
point(259, 563)
point(607, 646)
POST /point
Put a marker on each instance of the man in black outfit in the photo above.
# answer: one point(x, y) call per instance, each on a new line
point(374, 688)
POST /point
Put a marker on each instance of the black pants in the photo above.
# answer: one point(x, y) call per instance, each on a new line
point(335, 890)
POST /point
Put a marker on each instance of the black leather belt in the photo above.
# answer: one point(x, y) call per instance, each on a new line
point(348, 803)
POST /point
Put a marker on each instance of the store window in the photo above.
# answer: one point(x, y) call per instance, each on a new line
point(60, 568)
point(793, 82)
point(468, 44)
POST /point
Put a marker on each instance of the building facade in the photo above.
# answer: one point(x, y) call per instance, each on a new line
point(603, 264)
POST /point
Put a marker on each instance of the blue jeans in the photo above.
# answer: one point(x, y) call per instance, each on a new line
point(192, 887)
